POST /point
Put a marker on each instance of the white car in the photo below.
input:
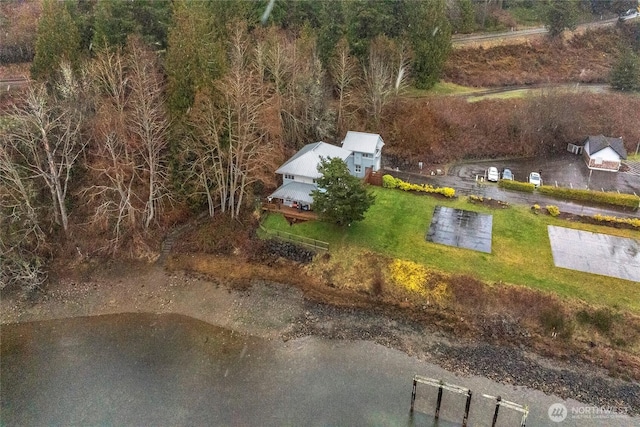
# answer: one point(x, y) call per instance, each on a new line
point(535, 179)
point(493, 174)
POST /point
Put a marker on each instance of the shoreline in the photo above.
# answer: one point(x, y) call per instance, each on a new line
point(276, 311)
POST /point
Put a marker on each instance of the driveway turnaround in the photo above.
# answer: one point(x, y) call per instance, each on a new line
point(595, 253)
point(460, 228)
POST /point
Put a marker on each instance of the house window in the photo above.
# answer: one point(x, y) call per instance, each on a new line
point(358, 168)
point(367, 155)
point(288, 176)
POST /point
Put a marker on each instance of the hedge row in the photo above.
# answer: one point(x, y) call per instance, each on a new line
point(516, 185)
point(615, 199)
point(635, 222)
point(390, 182)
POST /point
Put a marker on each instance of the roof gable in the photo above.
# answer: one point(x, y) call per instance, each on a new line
point(362, 142)
point(598, 143)
point(305, 162)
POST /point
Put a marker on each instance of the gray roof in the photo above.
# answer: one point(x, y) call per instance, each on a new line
point(362, 142)
point(600, 142)
point(305, 162)
point(294, 190)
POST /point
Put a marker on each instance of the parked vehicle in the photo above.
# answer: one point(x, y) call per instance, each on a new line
point(629, 14)
point(506, 174)
point(535, 179)
point(492, 174)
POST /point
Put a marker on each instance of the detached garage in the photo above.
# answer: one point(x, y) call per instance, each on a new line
point(604, 153)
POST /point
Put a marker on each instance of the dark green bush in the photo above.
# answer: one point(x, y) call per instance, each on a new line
point(602, 197)
point(516, 185)
point(601, 319)
point(554, 320)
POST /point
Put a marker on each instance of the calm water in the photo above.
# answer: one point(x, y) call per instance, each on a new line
point(135, 369)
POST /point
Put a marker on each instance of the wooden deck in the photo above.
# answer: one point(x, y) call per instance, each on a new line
point(292, 215)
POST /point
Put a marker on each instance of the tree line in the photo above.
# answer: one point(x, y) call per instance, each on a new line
point(142, 112)
point(128, 122)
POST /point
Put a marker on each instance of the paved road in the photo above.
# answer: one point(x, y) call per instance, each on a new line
point(464, 40)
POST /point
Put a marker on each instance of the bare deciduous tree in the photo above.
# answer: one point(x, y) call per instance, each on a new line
point(344, 72)
point(17, 199)
point(128, 158)
point(47, 136)
point(381, 77)
point(147, 120)
point(297, 76)
point(231, 150)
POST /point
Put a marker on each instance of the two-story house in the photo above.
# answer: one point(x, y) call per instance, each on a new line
point(366, 149)
point(299, 174)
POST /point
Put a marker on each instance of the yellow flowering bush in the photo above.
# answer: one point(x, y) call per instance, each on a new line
point(607, 218)
point(414, 277)
point(390, 182)
point(409, 275)
point(553, 210)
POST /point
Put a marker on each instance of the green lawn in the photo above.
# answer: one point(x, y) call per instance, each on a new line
point(397, 223)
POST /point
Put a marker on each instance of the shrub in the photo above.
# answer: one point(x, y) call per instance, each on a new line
point(469, 292)
point(553, 210)
point(554, 320)
point(448, 192)
point(635, 222)
point(392, 182)
point(602, 197)
point(389, 182)
point(601, 319)
point(416, 278)
point(409, 275)
point(516, 185)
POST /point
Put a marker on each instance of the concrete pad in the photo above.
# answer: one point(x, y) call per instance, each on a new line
point(460, 228)
point(595, 253)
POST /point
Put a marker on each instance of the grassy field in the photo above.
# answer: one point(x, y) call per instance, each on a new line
point(397, 223)
point(440, 88)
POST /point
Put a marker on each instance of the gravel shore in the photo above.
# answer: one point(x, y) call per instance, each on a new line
point(502, 364)
point(282, 312)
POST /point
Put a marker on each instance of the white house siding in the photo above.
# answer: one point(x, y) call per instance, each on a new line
point(606, 159)
point(297, 178)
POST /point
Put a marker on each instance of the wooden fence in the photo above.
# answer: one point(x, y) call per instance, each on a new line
point(294, 238)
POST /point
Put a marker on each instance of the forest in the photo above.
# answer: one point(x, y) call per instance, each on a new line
point(141, 115)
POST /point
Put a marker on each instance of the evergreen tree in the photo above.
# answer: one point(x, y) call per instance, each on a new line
point(467, 16)
point(367, 19)
point(429, 32)
point(341, 198)
point(625, 75)
point(561, 15)
point(195, 55)
point(115, 20)
point(58, 39)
